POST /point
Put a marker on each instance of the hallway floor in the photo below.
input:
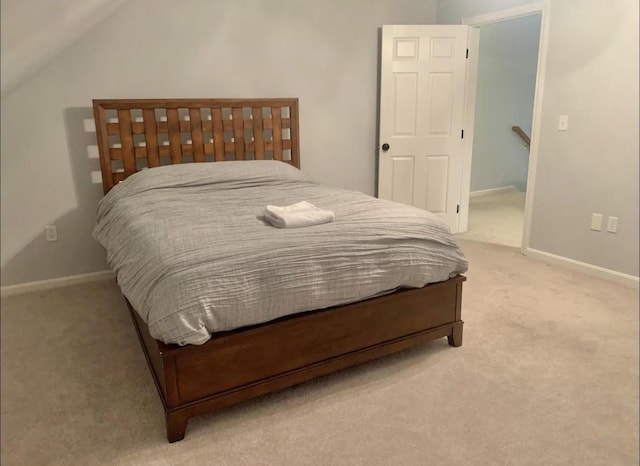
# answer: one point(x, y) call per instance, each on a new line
point(496, 218)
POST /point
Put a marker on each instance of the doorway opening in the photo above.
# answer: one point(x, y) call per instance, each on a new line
point(506, 86)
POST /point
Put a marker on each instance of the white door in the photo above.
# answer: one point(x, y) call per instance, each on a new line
point(423, 87)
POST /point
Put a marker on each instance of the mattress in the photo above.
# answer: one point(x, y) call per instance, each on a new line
point(194, 256)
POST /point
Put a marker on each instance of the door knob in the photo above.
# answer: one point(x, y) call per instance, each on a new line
point(385, 147)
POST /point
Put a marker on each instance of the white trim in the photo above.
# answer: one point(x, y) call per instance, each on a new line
point(473, 47)
point(487, 192)
point(543, 9)
point(508, 13)
point(589, 269)
point(535, 126)
point(41, 285)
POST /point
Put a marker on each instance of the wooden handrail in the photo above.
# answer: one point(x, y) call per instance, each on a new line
point(522, 134)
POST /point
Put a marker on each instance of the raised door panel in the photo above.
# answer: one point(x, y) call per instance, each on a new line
point(422, 91)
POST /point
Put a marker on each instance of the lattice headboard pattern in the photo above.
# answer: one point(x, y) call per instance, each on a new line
point(137, 134)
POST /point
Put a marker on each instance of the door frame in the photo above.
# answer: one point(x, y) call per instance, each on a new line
point(541, 8)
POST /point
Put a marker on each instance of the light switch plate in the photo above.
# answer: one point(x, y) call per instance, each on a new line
point(596, 222)
point(563, 123)
point(612, 225)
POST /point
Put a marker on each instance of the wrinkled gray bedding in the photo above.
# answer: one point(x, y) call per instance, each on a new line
point(193, 255)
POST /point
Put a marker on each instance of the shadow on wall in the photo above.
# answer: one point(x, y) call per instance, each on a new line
point(42, 260)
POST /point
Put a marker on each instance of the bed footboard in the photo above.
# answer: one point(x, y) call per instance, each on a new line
point(244, 364)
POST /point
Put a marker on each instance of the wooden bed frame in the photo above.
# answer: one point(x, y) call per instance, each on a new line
point(249, 362)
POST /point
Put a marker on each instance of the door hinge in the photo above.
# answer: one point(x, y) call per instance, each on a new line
point(458, 209)
point(462, 134)
point(467, 54)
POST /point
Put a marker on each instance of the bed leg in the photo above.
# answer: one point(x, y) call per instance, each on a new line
point(455, 339)
point(176, 425)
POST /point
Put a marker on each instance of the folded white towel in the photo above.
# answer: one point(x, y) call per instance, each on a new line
point(301, 214)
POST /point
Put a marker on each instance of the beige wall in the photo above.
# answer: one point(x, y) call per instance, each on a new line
point(592, 76)
point(35, 31)
point(325, 53)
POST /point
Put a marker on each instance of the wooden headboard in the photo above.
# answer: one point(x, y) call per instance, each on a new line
point(136, 134)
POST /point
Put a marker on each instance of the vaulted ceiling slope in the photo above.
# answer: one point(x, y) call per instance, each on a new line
point(36, 31)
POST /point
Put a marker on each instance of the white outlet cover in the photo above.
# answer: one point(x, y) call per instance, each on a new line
point(51, 233)
point(596, 222)
point(612, 225)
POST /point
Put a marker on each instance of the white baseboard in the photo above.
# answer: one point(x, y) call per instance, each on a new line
point(589, 269)
point(486, 192)
point(55, 283)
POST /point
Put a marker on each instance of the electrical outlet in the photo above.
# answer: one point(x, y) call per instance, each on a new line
point(596, 222)
point(612, 225)
point(51, 233)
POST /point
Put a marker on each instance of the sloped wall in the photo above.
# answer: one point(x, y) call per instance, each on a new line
point(325, 53)
point(35, 31)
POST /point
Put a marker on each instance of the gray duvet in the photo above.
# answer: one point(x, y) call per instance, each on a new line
point(194, 256)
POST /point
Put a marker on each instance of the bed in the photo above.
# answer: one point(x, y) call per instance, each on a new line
point(223, 359)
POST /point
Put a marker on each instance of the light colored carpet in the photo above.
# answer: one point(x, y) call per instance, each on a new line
point(548, 374)
point(496, 218)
